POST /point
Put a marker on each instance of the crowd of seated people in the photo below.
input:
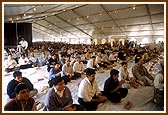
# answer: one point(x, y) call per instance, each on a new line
point(64, 61)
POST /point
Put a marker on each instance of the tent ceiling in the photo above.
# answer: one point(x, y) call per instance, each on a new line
point(90, 20)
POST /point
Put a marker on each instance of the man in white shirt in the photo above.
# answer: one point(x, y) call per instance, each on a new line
point(24, 62)
point(89, 94)
point(10, 64)
point(92, 63)
point(67, 71)
point(78, 67)
point(24, 45)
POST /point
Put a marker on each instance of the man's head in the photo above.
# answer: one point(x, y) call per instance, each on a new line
point(22, 92)
point(18, 76)
point(90, 73)
point(94, 57)
point(57, 65)
point(78, 59)
point(58, 83)
point(139, 60)
point(124, 65)
point(68, 62)
point(53, 55)
point(114, 74)
point(22, 39)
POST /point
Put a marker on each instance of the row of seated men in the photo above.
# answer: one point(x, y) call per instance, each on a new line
point(89, 96)
point(45, 58)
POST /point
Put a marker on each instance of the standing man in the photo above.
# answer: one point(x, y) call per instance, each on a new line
point(24, 45)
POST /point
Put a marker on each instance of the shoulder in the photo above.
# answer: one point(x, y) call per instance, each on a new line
point(12, 82)
point(10, 104)
point(67, 89)
point(31, 100)
point(25, 79)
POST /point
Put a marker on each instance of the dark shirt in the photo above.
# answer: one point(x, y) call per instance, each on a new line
point(110, 85)
point(13, 83)
point(52, 61)
point(15, 105)
point(121, 55)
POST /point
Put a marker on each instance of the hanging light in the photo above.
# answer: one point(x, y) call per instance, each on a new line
point(126, 26)
point(113, 27)
point(34, 9)
point(133, 7)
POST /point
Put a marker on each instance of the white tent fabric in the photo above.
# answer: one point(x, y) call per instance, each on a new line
point(72, 22)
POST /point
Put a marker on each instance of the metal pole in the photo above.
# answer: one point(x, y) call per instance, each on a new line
point(17, 39)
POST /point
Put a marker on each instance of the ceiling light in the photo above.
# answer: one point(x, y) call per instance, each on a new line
point(113, 27)
point(24, 14)
point(115, 11)
point(133, 7)
point(87, 17)
point(100, 14)
point(76, 6)
point(125, 26)
point(64, 10)
point(161, 24)
point(34, 9)
point(12, 21)
point(77, 19)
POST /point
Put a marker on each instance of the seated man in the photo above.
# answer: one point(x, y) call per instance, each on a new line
point(78, 67)
point(43, 58)
point(88, 92)
point(124, 74)
point(24, 62)
point(19, 79)
point(159, 85)
point(59, 98)
point(22, 101)
point(33, 60)
point(67, 71)
point(52, 61)
point(92, 63)
point(54, 72)
point(140, 72)
point(112, 87)
point(10, 64)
